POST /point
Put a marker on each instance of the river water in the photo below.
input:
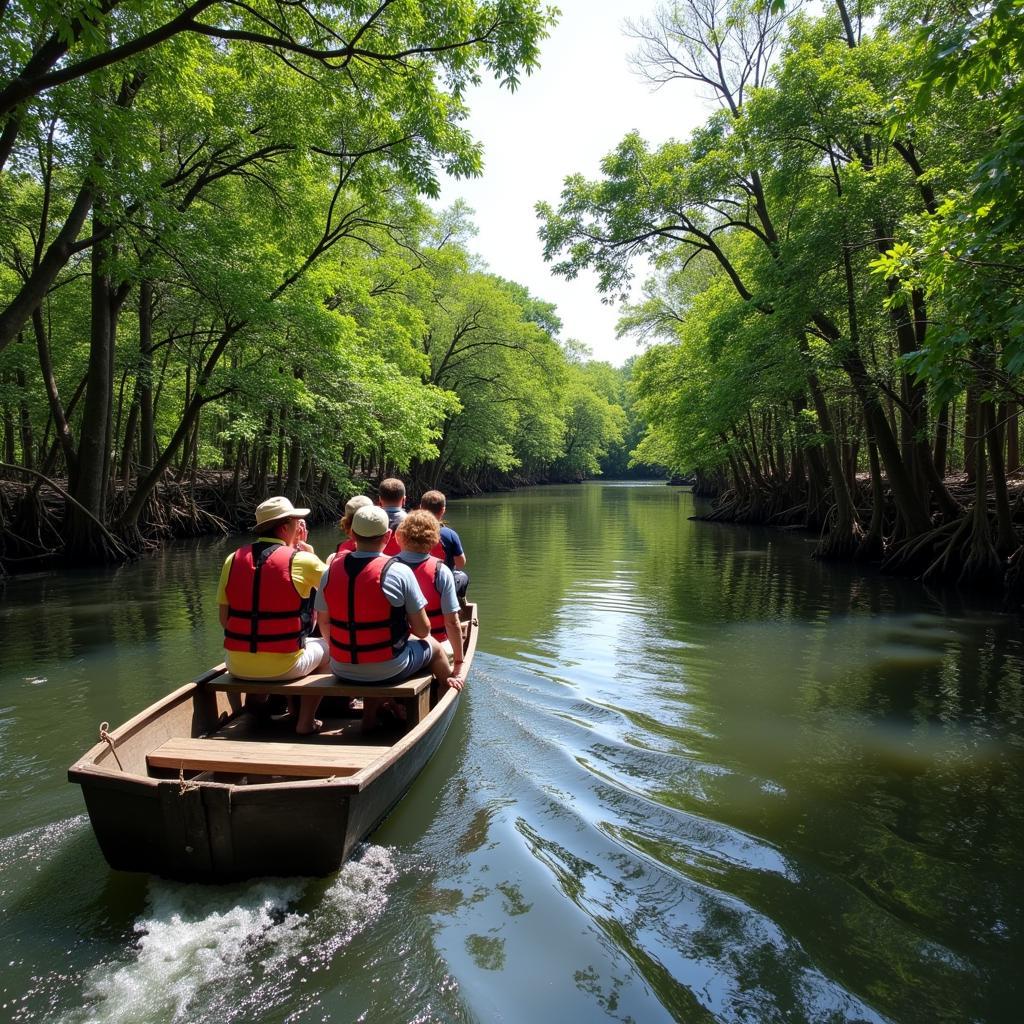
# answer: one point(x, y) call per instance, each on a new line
point(695, 776)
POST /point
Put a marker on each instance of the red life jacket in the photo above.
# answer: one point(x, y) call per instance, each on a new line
point(426, 574)
point(390, 548)
point(365, 627)
point(438, 551)
point(265, 612)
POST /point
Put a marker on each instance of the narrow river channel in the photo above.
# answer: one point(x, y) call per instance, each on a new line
point(695, 776)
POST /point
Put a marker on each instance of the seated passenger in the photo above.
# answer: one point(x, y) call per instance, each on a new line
point(351, 507)
point(417, 536)
point(391, 498)
point(265, 604)
point(369, 605)
point(449, 548)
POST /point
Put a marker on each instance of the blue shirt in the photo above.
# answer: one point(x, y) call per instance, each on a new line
point(452, 545)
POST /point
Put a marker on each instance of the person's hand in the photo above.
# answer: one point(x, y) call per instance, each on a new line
point(301, 534)
point(456, 682)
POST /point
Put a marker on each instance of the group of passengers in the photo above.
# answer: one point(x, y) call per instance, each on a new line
point(385, 604)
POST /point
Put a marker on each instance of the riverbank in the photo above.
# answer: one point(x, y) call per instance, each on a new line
point(207, 503)
point(974, 543)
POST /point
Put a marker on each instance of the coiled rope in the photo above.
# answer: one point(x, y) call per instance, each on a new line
point(109, 740)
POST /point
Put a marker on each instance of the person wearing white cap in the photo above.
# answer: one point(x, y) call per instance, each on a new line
point(369, 605)
point(265, 604)
point(345, 525)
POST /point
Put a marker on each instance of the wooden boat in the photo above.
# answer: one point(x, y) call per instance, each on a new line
point(196, 788)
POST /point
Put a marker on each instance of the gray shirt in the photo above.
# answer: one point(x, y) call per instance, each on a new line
point(395, 515)
point(402, 591)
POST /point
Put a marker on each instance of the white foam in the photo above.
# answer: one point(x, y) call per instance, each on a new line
point(197, 942)
point(354, 900)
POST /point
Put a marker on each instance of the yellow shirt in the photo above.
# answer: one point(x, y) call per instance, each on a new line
point(306, 572)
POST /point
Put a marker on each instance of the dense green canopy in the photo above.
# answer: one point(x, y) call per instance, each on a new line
point(216, 255)
point(835, 312)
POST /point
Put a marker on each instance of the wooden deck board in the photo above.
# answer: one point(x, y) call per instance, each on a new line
point(257, 758)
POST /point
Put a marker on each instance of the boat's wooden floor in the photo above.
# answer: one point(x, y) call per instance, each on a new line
point(251, 745)
point(337, 729)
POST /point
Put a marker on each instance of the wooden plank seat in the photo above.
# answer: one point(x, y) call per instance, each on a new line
point(414, 694)
point(239, 757)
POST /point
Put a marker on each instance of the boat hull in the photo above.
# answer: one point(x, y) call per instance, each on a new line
point(199, 828)
point(217, 832)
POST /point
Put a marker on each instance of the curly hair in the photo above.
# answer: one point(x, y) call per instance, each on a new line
point(419, 531)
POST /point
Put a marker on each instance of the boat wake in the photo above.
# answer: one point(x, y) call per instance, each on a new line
point(203, 953)
point(38, 844)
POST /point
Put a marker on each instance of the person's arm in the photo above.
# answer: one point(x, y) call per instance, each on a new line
point(300, 539)
point(322, 618)
point(419, 624)
point(222, 591)
point(453, 627)
point(402, 591)
point(454, 549)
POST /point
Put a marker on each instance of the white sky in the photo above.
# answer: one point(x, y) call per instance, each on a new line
point(562, 120)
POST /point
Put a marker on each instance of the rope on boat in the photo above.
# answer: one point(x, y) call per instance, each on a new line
point(185, 785)
point(105, 737)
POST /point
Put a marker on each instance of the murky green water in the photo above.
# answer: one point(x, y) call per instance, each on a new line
point(696, 776)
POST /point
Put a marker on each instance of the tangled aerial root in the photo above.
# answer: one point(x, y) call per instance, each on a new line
point(915, 555)
point(960, 552)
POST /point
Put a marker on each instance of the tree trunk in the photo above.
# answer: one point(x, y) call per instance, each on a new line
point(10, 451)
point(147, 453)
point(82, 537)
point(941, 453)
point(971, 434)
point(281, 419)
point(25, 421)
point(910, 505)
point(34, 290)
point(57, 410)
point(128, 446)
point(982, 566)
point(1011, 420)
point(294, 477)
point(873, 544)
point(845, 533)
point(1006, 537)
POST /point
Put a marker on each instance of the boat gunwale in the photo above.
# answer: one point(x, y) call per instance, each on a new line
point(86, 767)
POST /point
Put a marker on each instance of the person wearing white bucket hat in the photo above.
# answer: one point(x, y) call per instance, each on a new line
point(265, 601)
